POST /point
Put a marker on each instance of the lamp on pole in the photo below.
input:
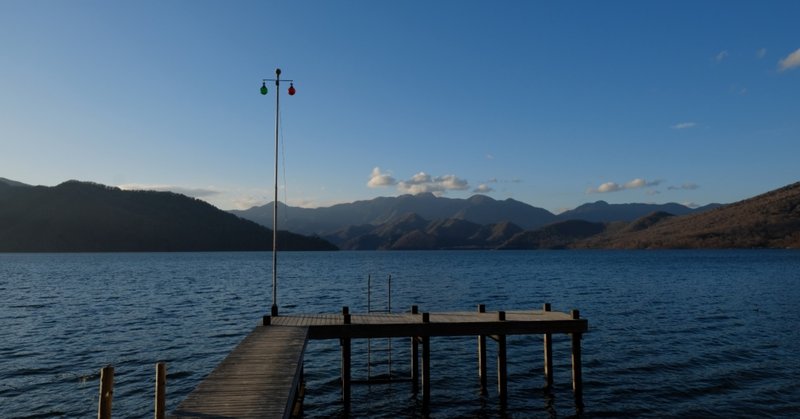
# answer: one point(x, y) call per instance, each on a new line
point(291, 92)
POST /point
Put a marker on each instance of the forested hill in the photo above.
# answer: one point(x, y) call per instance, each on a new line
point(88, 217)
point(769, 220)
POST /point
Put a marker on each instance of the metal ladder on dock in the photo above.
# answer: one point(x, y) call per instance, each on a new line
point(385, 349)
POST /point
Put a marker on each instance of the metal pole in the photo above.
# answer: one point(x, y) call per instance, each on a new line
point(275, 201)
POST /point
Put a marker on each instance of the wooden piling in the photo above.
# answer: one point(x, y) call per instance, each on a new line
point(502, 368)
point(548, 355)
point(106, 392)
point(346, 314)
point(426, 365)
point(161, 391)
point(482, 357)
point(415, 364)
point(414, 357)
point(577, 376)
point(345, 344)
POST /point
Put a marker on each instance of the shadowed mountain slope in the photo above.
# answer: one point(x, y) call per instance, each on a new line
point(770, 220)
point(87, 217)
point(602, 211)
point(412, 232)
point(554, 236)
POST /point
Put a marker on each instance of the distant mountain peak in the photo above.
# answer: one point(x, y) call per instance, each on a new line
point(480, 199)
point(421, 195)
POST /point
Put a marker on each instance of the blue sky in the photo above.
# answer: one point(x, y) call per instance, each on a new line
point(551, 103)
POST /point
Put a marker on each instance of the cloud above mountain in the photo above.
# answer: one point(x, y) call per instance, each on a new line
point(637, 183)
point(419, 183)
point(379, 179)
point(686, 186)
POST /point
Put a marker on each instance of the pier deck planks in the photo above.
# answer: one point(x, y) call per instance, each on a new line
point(375, 325)
point(257, 380)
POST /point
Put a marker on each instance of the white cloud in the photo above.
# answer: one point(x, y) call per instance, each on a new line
point(489, 157)
point(721, 56)
point(636, 183)
point(761, 53)
point(419, 183)
point(193, 192)
point(423, 182)
point(690, 204)
point(686, 186)
point(607, 187)
point(684, 125)
point(452, 182)
point(378, 179)
point(483, 188)
point(791, 61)
point(420, 178)
point(615, 187)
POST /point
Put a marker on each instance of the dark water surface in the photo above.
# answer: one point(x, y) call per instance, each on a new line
point(672, 333)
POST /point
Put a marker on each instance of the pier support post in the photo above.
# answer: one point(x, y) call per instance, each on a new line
point(414, 357)
point(502, 369)
point(161, 391)
point(482, 356)
point(426, 365)
point(577, 378)
point(414, 364)
point(548, 355)
point(106, 392)
point(345, 344)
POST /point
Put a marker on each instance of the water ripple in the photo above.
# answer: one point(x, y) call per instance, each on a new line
point(672, 334)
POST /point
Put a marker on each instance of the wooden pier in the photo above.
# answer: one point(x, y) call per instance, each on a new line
point(262, 377)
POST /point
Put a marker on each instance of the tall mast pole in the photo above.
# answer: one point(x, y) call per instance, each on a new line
point(275, 201)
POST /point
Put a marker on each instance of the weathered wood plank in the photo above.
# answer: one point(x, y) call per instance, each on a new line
point(257, 380)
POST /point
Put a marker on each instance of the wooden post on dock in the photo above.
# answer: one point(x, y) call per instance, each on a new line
point(502, 369)
point(577, 377)
point(548, 355)
point(106, 392)
point(482, 356)
point(161, 391)
point(345, 343)
point(426, 365)
point(414, 357)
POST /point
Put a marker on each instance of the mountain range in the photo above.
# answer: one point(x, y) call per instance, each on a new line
point(85, 216)
point(768, 220)
point(88, 217)
point(478, 209)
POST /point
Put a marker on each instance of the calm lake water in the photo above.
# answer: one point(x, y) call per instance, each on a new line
point(672, 333)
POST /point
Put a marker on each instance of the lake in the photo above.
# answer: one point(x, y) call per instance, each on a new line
point(671, 333)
